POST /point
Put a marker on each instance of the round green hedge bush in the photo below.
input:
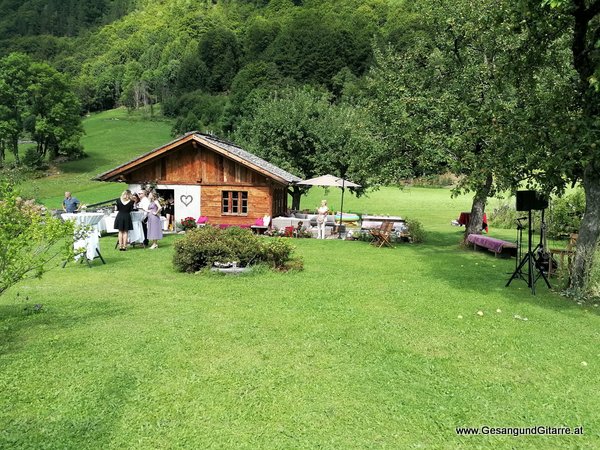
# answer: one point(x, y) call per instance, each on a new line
point(202, 247)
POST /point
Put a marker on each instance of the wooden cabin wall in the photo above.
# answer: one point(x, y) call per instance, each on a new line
point(192, 164)
point(183, 165)
point(259, 204)
point(279, 201)
point(217, 169)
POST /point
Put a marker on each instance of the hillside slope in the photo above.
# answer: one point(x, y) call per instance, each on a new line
point(112, 138)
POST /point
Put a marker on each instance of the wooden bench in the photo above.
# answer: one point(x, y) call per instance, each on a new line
point(497, 246)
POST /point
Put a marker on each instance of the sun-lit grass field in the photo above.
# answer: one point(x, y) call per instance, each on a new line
point(365, 348)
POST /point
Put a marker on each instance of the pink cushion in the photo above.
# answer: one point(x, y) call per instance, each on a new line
point(259, 222)
point(202, 219)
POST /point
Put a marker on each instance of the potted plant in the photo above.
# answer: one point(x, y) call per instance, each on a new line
point(188, 223)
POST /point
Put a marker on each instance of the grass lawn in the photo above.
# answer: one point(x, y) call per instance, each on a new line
point(365, 348)
point(362, 349)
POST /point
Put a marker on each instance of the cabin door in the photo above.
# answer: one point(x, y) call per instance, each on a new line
point(187, 202)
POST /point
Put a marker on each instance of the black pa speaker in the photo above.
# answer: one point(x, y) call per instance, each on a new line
point(528, 200)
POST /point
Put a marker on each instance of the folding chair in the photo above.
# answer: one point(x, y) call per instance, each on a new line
point(568, 252)
point(382, 235)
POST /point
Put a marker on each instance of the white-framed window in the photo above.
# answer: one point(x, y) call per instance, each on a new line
point(234, 203)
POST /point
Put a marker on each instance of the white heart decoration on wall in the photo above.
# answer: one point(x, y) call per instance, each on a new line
point(186, 199)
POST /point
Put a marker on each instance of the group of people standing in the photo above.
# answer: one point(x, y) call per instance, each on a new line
point(148, 202)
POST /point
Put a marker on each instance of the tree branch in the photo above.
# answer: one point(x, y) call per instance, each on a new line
point(580, 52)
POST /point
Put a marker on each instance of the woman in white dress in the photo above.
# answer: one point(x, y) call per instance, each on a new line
point(154, 224)
point(322, 219)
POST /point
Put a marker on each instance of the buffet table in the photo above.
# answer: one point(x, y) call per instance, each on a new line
point(87, 235)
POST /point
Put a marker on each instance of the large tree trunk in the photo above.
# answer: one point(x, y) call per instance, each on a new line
point(585, 36)
point(589, 230)
point(478, 207)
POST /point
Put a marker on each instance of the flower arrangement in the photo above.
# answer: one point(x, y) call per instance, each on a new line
point(188, 223)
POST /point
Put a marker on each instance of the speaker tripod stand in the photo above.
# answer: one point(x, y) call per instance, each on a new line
point(519, 255)
point(534, 269)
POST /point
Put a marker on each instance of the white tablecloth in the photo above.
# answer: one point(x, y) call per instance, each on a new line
point(89, 239)
point(107, 224)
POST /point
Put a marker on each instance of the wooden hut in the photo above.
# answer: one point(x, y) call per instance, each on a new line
point(210, 177)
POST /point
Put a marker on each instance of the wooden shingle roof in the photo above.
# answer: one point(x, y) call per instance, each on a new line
point(220, 146)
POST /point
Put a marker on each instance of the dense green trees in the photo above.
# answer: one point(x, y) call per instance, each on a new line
point(15, 77)
point(314, 47)
point(300, 130)
point(57, 17)
point(36, 101)
point(183, 49)
point(579, 159)
point(455, 96)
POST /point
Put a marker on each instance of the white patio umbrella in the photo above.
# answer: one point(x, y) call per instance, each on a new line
point(330, 180)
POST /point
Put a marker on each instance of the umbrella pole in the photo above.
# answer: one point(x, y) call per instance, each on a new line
point(341, 211)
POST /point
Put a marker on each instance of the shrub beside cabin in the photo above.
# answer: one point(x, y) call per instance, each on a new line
point(209, 177)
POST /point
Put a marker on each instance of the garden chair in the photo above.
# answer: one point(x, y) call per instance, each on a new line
point(569, 251)
point(382, 235)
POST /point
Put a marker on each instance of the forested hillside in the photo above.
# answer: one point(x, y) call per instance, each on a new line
point(164, 49)
point(46, 28)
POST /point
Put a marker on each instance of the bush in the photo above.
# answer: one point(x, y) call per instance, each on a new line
point(202, 247)
point(435, 181)
point(503, 216)
point(565, 214)
point(364, 236)
point(30, 238)
point(33, 160)
point(72, 149)
point(276, 252)
point(196, 251)
point(416, 230)
point(562, 217)
point(243, 246)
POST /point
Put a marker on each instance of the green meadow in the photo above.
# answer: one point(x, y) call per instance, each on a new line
point(365, 348)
